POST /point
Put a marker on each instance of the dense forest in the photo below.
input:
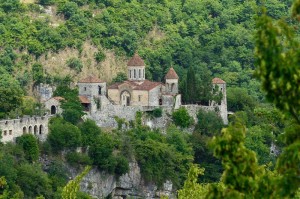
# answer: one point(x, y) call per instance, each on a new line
point(201, 39)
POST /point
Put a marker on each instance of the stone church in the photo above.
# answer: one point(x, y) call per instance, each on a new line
point(138, 91)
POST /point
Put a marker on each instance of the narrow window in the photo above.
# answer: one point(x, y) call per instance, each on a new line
point(140, 98)
point(140, 75)
point(5, 133)
point(10, 132)
point(99, 90)
point(129, 72)
point(84, 88)
point(134, 74)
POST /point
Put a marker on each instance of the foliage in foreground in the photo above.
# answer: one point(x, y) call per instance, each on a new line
point(70, 191)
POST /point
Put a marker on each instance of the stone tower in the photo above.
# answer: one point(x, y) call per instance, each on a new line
point(221, 85)
point(136, 68)
point(91, 87)
point(171, 82)
point(91, 92)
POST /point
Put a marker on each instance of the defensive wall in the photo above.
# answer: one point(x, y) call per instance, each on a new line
point(13, 128)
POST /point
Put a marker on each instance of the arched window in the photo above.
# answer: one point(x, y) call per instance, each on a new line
point(35, 129)
point(41, 129)
point(24, 130)
point(30, 129)
point(53, 110)
point(140, 74)
point(134, 74)
point(172, 87)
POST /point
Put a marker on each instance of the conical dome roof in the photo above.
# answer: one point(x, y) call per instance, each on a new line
point(136, 60)
point(171, 74)
point(217, 80)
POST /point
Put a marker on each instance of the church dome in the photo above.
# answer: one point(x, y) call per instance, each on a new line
point(171, 74)
point(136, 60)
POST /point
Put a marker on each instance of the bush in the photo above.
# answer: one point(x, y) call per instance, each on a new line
point(157, 112)
point(89, 131)
point(182, 118)
point(209, 123)
point(119, 78)
point(74, 159)
point(100, 56)
point(122, 166)
point(101, 152)
point(63, 135)
point(30, 146)
point(75, 64)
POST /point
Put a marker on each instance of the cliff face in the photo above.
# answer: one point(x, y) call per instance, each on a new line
point(100, 185)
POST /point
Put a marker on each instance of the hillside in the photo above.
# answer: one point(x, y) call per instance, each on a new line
point(207, 35)
point(58, 42)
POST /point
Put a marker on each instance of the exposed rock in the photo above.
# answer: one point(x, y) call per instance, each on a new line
point(100, 185)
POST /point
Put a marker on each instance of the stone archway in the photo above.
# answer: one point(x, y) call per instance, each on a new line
point(53, 110)
point(125, 98)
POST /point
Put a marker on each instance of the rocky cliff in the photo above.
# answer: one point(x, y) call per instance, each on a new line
point(130, 185)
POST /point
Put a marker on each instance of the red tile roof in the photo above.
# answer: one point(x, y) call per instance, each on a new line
point(136, 60)
point(58, 98)
point(91, 79)
point(218, 81)
point(84, 100)
point(116, 85)
point(145, 85)
point(171, 74)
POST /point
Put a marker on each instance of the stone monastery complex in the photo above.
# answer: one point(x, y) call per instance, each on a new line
point(123, 99)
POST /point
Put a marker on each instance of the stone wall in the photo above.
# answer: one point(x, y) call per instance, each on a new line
point(11, 129)
point(193, 110)
point(154, 96)
point(105, 116)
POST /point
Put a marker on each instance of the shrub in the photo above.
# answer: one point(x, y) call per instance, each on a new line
point(30, 146)
point(157, 112)
point(74, 159)
point(63, 135)
point(182, 118)
point(209, 122)
point(99, 56)
point(75, 64)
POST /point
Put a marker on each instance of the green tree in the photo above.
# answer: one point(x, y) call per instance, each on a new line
point(209, 122)
point(41, 184)
point(238, 99)
point(182, 118)
point(63, 135)
point(10, 92)
point(192, 189)
point(37, 73)
point(30, 146)
point(89, 131)
point(120, 77)
point(71, 189)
